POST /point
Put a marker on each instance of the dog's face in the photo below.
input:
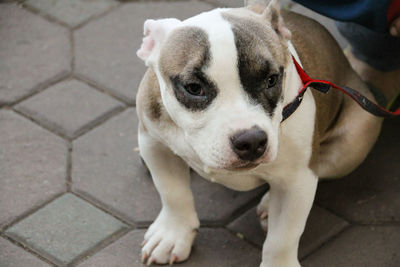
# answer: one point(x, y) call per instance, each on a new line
point(222, 80)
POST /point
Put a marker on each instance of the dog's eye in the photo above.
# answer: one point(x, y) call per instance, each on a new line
point(272, 80)
point(194, 89)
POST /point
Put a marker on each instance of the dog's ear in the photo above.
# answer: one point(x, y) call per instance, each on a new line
point(272, 14)
point(155, 33)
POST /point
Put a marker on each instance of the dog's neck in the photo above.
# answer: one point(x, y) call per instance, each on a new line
point(293, 81)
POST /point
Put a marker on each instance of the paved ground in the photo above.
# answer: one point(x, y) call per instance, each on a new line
point(72, 189)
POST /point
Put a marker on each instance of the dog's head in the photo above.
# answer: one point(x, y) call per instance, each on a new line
point(222, 81)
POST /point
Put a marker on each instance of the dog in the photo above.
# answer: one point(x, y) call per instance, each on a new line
point(212, 100)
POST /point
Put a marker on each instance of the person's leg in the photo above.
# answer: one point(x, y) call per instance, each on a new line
point(374, 56)
point(395, 28)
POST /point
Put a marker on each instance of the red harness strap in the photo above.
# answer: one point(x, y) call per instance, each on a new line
point(324, 86)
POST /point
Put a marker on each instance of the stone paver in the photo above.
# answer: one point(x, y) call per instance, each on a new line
point(371, 194)
point(69, 107)
point(215, 204)
point(321, 226)
point(106, 48)
point(32, 165)
point(14, 256)
point(106, 167)
point(33, 52)
point(71, 12)
point(360, 246)
point(212, 247)
point(65, 228)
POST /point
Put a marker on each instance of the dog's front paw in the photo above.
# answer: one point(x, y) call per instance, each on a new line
point(169, 239)
point(262, 211)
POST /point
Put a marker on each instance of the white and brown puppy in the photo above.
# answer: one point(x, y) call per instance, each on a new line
point(212, 100)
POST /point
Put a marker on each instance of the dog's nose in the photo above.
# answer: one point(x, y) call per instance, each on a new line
point(249, 144)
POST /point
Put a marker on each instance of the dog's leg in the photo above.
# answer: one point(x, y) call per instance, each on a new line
point(169, 239)
point(289, 205)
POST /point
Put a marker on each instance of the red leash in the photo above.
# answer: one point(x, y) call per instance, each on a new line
point(324, 86)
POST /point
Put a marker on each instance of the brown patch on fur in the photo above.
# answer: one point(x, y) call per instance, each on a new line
point(185, 50)
point(148, 100)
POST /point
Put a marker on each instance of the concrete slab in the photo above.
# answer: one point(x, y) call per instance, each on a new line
point(65, 228)
point(33, 166)
point(35, 53)
point(71, 12)
point(69, 107)
point(14, 256)
point(360, 246)
point(321, 226)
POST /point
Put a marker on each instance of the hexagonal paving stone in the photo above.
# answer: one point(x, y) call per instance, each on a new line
point(72, 12)
point(321, 226)
point(65, 228)
point(212, 247)
point(106, 168)
point(32, 165)
point(69, 107)
point(216, 204)
point(11, 255)
point(106, 48)
point(360, 246)
point(33, 52)
point(371, 194)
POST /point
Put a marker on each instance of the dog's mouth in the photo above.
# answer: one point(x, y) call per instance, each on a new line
point(244, 166)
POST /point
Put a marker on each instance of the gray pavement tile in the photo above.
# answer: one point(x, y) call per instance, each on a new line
point(212, 247)
point(33, 51)
point(69, 107)
point(248, 226)
point(71, 12)
point(65, 228)
point(106, 168)
point(106, 48)
point(371, 194)
point(14, 256)
point(320, 227)
point(360, 246)
point(216, 203)
point(32, 165)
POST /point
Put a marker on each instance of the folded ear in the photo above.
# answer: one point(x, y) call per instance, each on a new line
point(155, 33)
point(272, 14)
